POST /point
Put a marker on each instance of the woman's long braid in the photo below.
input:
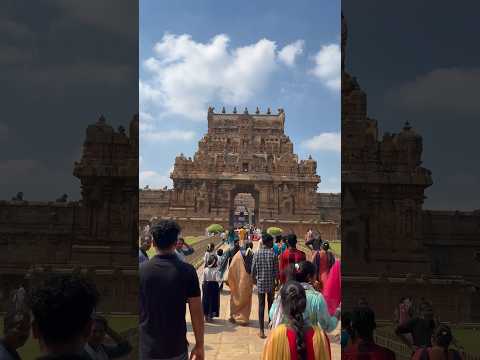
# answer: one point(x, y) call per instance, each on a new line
point(294, 303)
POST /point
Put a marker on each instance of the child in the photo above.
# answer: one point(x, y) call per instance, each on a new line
point(210, 289)
point(210, 250)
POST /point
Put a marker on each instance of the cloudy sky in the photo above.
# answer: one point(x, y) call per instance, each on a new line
point(245, 54)
point(63, 63)
point(420, 61)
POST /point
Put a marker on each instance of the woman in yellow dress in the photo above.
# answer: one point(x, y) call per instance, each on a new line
point(296, 340)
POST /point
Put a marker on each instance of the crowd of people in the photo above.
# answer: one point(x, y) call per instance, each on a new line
point(299, 292)
point(60, 313)
point(415, 326)
point(286, 280)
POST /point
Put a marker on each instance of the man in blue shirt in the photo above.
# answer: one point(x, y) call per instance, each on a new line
point(182, 249)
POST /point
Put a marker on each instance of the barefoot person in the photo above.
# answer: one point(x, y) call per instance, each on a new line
point(211, 288)
point(240, 283)
point(265, 275)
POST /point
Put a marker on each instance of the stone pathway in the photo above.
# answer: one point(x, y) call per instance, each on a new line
point(224, 340)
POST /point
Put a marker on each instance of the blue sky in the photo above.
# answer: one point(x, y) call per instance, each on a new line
point(245, 54)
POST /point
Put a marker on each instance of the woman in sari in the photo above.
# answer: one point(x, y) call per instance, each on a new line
point(323, 261)
point(241, 285)
point(316, 311)
point(332, 291)
point(296, 340)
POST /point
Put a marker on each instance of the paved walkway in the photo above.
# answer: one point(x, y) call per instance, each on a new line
point(224, 340)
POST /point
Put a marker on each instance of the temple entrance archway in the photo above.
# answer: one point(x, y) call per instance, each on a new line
point(244, 205)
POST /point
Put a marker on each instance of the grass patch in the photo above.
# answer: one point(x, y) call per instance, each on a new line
point(119, 323)
point(336, 247)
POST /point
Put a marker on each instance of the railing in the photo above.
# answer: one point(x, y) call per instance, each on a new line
point(403, 352)
point(196, 259)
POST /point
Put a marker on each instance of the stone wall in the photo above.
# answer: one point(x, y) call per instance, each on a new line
point(97, 235)
point(453, 242)
point(454, 299)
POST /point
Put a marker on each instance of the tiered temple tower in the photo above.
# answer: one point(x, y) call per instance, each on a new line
point(242, 153)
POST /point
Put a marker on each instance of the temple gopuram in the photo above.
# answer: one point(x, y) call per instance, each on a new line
point(97, 235)
point(244, 156)
point(392, 246)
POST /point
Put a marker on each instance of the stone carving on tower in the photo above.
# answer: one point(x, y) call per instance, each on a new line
point(245, 153)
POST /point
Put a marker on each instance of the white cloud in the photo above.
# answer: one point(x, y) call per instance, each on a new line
point(153, 179)
point(328, 65)
point(445, 90)
point(289, 53)
point(330, 185)
point(327, 141)
point(186, 76)
point(168, 135)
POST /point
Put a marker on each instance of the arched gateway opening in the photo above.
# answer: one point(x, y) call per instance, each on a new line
point(244, 205)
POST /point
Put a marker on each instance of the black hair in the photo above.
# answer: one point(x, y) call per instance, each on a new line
point(292, 240)
point(326, 245)
point(165, 234)
point(306, 269)
point(62, 307)
point(249, 245)
point(363, 322)
point(442, 336)
point(210, 247)
point(278, 239)
point(100, 320)
point(212, 260)
point(267, 239)
point(290, 273)
point(220, 252)
point(294, 302)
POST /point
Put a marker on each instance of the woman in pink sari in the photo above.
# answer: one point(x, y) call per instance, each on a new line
point(332, 291)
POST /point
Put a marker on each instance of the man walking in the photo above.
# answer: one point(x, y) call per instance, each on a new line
point(264, 274)
point(290, 256)
point(166, 285)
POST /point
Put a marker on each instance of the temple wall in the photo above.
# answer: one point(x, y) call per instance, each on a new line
point(453, 242)
point(98, 235)
point(447, 296)
point(36, 231)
